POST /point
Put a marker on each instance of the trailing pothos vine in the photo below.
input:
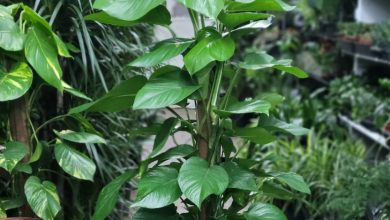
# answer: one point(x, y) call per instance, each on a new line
point(206, 178)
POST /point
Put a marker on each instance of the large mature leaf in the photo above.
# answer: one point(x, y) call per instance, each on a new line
point(163, 134)
point(239, 178)
point(255, 135)
point(42, 197)
point(41, 53)
point(74, 162)
point(62, 49)
point(248, 106)
point(120, 98)
point(177, 151)
point(264, 211)
point(35, 19)
point(261, 60)
point(259, 5)
point(164, 89)
point(163, 51)
point(11, 39)
point(210, 8)
point(128, 10)
point(232, 20)
point(198, 181)
point(158, 188)
point(293, 180)
point(13, 153)
point(163, 18)
point(80, 137)
point(272, 124)
point(109, 195)
point(166, 213)
point(15, 83)
point(199, 56)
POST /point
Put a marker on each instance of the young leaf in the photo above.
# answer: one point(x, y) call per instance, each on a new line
point(42, 55)
point(232, 20)
point(165, 89)
point(75, 92)
point(222, 49)
point(199, 56)
point(37, 153)
point(248, 106)
point(240, 178)
point(178, 151)
point(272, 124)
point(15, 83)
point(13, 153)
point(163, 18)
point(109, 195)
point(23, 168)
point(259, 5)
point(158, 188)
point(276, 191)
point(61, 46)
point(163, 134)
point(120, 98)
point(11, 39)
point(264, 211)
point(128, 10)
point(74, 162)
point(293, 180)
point(166, 213)
point(80, 137)
point(163, 51)
point(198, 181)
point(210, 8)
point(42, 197)
point(255, 135)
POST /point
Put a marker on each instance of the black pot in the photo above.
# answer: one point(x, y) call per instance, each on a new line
point(347, 46)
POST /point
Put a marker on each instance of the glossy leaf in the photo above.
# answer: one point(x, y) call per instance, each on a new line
point(74, 92)
point(163, 18)
point(128, 10)
point(232, 20)
point(23, 168)
point(158, 188)
point(35, 19)
point(166, 89)
point(239, 178)
point(13, 153)
point(198, 57)
point(120, 98)
point(42, 197)
point(222, 49)
point(261, 60)
point(80, 137)
point(272, 98)
point(74, 162)
point(259, 5)
point(272, 124)
point(276, 191)
point(198, 181)
point(248, 106)
point(163, 134)
point(210, 8)
point(15, 83)
point(166, 213)
point(255, 135)
point(11, 39)
point(264, 211)
point(42, 55)
point(109, 195)
point(61, 46)
point(293, 180)
point(163, 51)
point(177, 151)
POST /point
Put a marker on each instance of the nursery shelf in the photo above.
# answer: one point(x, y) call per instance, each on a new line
point(374, 136)
point(369, 58)
point(318, 78)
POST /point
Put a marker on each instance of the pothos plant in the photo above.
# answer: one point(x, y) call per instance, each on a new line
point(31, 49)
point(207, 179)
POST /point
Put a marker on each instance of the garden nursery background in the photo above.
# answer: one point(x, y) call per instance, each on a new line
point(187, 109)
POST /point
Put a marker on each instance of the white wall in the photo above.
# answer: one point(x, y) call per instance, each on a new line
point(373, 11)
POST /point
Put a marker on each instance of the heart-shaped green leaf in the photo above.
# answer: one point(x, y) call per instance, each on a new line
point(239, 178)
point(165, 89)
point(210, 8)
point(109, 195)
point(255, 135)
point(80, 137)
point(166, 213)
point(199, 56)
point(15, 83)
point(248, 106)
point(158, 188)
point(163, 18)
point(222, 49)
point(163, 51)
point(264, 211)
point(163, 134)
point(293, 180)
point(42, 197)
point(13, 153)
point(11, 39)
point(232, 20)
point(74, 162)
point(259, 5)
point(128, 10)
point(272, 124)
point(41, 53)
point(198, 181)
